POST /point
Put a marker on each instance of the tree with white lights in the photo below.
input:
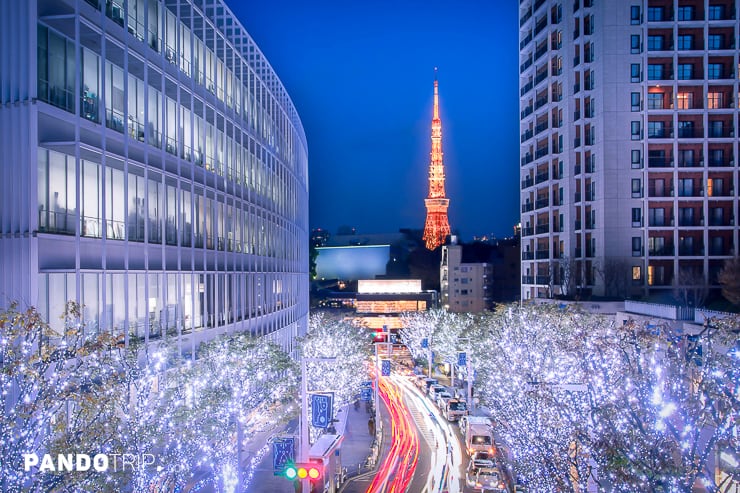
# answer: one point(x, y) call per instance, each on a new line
point(444, 331)
point(331, 337)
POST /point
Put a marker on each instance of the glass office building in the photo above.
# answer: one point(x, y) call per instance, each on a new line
point(153, 168)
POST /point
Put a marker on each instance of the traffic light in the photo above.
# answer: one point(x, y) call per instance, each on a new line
point(378, 335)
point(308, 470)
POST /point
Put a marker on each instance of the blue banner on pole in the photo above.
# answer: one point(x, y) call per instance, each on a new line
point(385, 367)
point(321, 410)
point(283, 452)
point(394, 338)
point(462, 358)
point(366, 394)
point(424, 343)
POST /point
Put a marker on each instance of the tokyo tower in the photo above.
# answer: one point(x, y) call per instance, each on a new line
point(437, 226)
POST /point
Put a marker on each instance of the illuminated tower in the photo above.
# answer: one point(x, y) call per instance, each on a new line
point(437, 226)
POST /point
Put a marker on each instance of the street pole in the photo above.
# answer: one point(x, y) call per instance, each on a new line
point(429, 358)
point(470, 382)
point(305, 445)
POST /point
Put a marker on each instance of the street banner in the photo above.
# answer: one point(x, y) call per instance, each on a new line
point(321, 410)
point(283, 452)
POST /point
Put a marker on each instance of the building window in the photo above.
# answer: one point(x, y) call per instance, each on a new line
point(686, 13)
point(655, 72)
point(716, 12)
point(635, 97)
point(636, 272)
point(655, 101)
point(714, 100)
point(685, 71)
point(685, 100)
point(56, 69)
point(635, 15)
point(636, 159)
point(657, 129)
point(635, 72)
point(635, 130)
point(636, 217)
point(655, 43)
point(635, 43)
point(655, 14)
point(714, 42)
point(714, 71)
point(636, 246)
point(636, 188)
point(686, 42)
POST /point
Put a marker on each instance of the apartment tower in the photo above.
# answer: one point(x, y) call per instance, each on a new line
point(153, 168)
point(628, 145)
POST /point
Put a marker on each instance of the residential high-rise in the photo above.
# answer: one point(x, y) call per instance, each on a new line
point(153, 168)
point(437, 225)
point(629, 148)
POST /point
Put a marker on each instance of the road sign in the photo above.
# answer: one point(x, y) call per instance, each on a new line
point(424, 343)
point(394, 338)
point(283, 452)
point(366, 394)
point(462, 358)
point(385, 367)
point(321, 410)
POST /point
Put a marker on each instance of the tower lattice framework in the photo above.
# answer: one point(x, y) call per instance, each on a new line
point(437, 225)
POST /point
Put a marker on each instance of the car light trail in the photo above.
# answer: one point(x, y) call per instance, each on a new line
point(397, 470)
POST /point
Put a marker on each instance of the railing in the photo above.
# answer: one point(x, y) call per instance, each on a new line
point(719, 132)
point(527, 111)
point(527, 279)
point(540, 77)
point(114, 119)
point(542, 228)
point(541, 24)
point(527, 182)
point(670, 312)
point(540, 127)
point(524, 66)
point(542, 280)
point(526, 40)
point(525, 17)
point(714, 162)
point(527, 206)
point(527, 231)
point(57, 222)
point(701, 315)
point(540, 51)
point(528, 158)
point(541, 152)
point(540, 103)
point(541, 177)
point(529, 85)
point(527, 255)
point(528, 134)
point(660, 162)
point(665, 132)
point(690, 132)
point(540, 203)
point(666, 251)
point(540, 254)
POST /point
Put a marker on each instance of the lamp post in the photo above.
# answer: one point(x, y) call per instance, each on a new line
point(387, 334)
point(305, 449)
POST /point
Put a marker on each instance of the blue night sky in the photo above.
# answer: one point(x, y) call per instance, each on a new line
point(361, 76)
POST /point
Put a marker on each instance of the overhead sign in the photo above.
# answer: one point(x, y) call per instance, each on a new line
point(366, 391)
point(321, 410)
point(283, 453)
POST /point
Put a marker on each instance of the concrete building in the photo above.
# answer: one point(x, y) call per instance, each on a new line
point(465, 281)
point(629, 149)
point(153, 168)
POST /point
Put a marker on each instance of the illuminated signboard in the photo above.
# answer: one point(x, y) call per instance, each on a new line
point(386, 306)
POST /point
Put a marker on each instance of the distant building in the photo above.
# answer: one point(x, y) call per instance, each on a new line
point(475, 276)
point(465, 283)
point(381, 301)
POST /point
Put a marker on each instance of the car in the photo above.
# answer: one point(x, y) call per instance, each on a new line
point(441, 398)
point(434, 389)
point(483, 459)
point(485, 479)
point(466, 421)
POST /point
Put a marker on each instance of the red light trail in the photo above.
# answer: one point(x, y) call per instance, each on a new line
point(397, 470)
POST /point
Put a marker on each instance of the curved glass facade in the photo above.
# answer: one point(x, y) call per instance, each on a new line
point(167, 172)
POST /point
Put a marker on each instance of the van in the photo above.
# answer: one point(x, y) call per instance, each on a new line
point(428, 382)
point(455, 409)
point(479, 438)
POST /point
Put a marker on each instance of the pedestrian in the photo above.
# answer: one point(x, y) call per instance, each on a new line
point(371, 426)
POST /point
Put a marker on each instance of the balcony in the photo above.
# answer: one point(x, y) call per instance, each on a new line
point(540, 254)
point(527, 207)
point(527, 232)
point(542, 229)
point(541, 152)
point(540, 77)
point(541, 24)
point(528, 158)
point(578, 225)
point(527, 182)
point(527, 111)
point(690, 132)
point(526, 40)
point(718, 162)
point(541, 203)
point(541, 177)
point(527, 255)
point(577, 197)
point(721, 131)
point(690, 250)
point(542, 280)
point(526, 87)
point(524, 66)
point(527, 279)
point(662, 251)
point(660, 162)
point(528, 134)
point(541, 50)
point(525, 17)
point(541, 127)
point(664, 132)
point(540, 102)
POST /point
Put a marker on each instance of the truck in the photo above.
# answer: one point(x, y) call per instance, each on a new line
point(454, 409)
point(479, 437)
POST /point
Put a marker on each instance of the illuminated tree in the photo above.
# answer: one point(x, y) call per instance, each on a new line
point(444, 331)
point(41, 371)
point(330, 337)
point(729, 278)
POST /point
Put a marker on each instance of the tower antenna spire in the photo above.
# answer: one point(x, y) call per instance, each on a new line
point(437, 226)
